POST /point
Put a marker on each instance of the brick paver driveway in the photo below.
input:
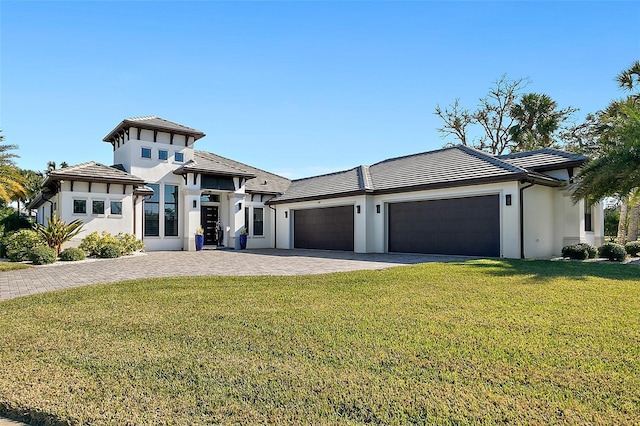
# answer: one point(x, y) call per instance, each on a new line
point(208, 262)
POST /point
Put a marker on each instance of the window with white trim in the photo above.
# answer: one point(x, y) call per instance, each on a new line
point(162, 154)
point(97, 207)
point(115, 208)
point(258, 221)
point(79, 206)
point(146, 153)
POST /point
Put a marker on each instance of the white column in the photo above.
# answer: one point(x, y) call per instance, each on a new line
point(236, 219)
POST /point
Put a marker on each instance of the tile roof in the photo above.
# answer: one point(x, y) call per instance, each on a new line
point(544, 159)
point(448, 167)
point(337, 184)
point(259, 181)
point(153, 122)
point(93, 172)
point(459, 165)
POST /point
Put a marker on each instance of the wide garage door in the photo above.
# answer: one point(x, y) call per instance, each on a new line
point(328, 228)
point(466, 226)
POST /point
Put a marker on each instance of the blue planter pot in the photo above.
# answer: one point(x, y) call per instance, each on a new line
point(243, 241)
point(199, 242)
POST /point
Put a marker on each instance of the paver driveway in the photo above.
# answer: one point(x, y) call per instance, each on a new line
point(208, 262)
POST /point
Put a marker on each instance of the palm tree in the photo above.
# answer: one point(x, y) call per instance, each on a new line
point(11, 181)
point(536, 120)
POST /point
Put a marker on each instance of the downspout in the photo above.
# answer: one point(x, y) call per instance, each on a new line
point(522, 218)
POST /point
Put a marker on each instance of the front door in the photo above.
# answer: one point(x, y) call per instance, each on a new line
point(208, 220)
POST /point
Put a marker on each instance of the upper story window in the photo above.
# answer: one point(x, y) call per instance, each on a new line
point(146, 153)
point(178, 157)
point(163, 155)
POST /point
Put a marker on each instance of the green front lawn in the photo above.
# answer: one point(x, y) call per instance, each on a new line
point(524, 342)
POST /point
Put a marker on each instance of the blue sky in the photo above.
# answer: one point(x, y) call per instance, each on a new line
point(295, 88)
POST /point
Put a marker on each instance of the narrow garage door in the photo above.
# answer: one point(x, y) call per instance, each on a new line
point(329, 228)
point(466, 226)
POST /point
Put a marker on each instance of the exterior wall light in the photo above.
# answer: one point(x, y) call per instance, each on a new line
point(507, 199)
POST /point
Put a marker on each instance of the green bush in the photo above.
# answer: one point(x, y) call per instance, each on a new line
point(129, 243)
point(612, 251)
point(633, 248)
point(93, 243)
point(72, 254)
point(110, 251)
point(575, 251)
point(42, 255)
point(20, 244)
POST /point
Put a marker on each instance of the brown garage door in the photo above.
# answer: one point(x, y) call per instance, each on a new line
point(466, 226)
point(329, 228)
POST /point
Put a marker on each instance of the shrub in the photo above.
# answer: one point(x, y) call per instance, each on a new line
point(93, 243)
point(72, 254)
point(129, 243)
point(633, 248)
point(42, 255)
point(20, 244)
point(110, 251)
point(575, 251)
point(612, 251)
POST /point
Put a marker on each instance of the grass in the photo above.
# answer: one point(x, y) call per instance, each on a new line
point(479, 342)
point(11, 266)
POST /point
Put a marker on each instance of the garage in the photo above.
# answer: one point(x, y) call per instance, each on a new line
point(465, 226)
point(328, 228)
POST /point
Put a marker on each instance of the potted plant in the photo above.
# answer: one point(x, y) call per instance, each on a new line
point(199, 238)
point(243, 239)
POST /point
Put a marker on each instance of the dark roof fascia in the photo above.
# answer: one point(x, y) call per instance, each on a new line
point(319, 197)
point(559, 166)
point(184, 171)
point(59, 176)
point(126, 124)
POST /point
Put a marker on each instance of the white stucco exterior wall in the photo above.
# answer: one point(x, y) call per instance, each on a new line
point(370, 227)
point(110, 222)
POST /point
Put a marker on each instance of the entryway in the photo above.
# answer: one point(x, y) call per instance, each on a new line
point(209, 220)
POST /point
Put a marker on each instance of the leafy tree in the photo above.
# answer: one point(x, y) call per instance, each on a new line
point(32, 183)
point(57, 232)
point(509, 121)
point(10, 178)
point(492, 115)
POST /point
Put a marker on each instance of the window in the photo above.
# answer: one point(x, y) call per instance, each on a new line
point(97, 207)
point(178, 157)
point(258, 221)
point(116, 207)
point(246, 219)
point(80, 206)
point(588, 221)
point(146, 152)
point(152, 212)
point(171, 210)
point(163, 155)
